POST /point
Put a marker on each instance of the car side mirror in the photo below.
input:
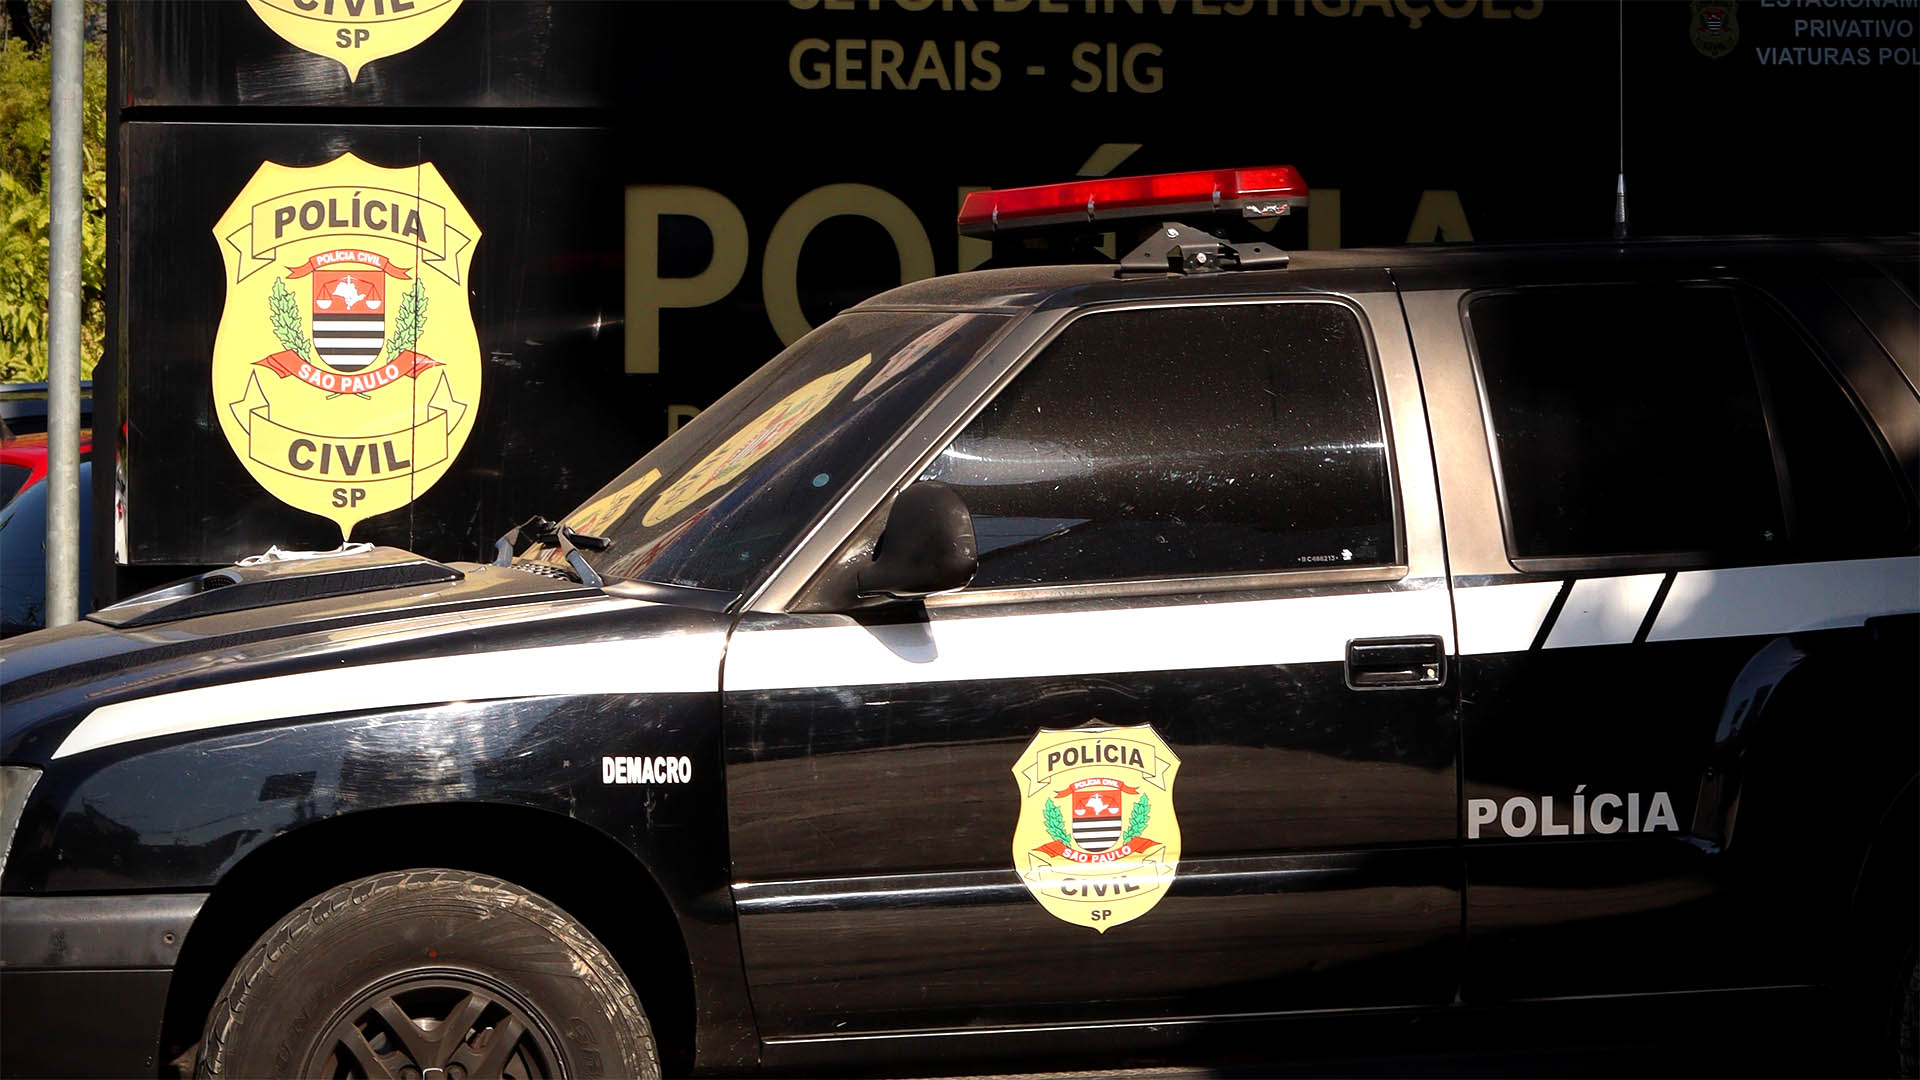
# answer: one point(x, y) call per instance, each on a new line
point(926, 547)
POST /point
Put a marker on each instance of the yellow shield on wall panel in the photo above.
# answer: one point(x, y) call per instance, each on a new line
point(346, 368)
point(354, 32)
point(1097, 842)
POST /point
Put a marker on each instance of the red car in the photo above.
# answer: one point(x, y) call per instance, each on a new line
point(23, 462)
point(23, 434)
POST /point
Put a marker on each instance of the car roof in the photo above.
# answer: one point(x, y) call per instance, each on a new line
point(1030, 287)
point(33, 444)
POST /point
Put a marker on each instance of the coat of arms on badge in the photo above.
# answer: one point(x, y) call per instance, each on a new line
point(346, 367)
point(1097, 842)
point(1716, 27)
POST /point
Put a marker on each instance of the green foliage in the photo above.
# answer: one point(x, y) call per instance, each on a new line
point(39, 21)
point(1055, 825)
point(288, 326)
point(26, 207)
point(1137, 824)
point(410, 323)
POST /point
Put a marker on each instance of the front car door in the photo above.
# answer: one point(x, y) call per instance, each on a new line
point(1187, 513)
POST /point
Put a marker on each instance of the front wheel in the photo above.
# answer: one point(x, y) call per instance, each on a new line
point(428, 973)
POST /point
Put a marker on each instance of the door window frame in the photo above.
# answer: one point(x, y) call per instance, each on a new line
point(1658, 560)
point(1016, 353)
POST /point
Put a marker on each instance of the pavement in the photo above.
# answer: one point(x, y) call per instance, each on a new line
point(1691, 1041)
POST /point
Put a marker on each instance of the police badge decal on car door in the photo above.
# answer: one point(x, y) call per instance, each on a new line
point(1097, 842)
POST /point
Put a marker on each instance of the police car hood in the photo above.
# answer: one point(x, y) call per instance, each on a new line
point(52, 680)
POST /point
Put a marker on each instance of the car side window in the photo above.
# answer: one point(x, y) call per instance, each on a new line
point(11, 478)
point(1843, 491)
point(1626, 420)
point(1172, 441)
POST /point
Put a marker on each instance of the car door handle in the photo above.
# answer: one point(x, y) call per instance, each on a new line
point(1396, 663)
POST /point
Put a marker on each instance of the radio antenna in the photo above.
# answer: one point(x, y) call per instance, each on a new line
point(1620, 183)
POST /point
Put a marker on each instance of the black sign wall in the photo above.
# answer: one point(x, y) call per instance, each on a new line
point(668, 193)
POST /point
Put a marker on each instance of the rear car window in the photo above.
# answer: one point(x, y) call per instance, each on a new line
point(1626, 420)
point(1842, 490)
point(1632, 420)
point(11, 477)
point(1172, 441)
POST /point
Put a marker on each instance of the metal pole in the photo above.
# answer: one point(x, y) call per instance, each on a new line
point(63, 322)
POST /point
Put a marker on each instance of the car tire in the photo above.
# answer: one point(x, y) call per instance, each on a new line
point(412, 971)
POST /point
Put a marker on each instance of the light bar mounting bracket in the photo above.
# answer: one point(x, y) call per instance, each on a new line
point(1183, 249)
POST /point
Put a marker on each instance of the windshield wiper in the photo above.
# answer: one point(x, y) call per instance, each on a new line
point(539, 530)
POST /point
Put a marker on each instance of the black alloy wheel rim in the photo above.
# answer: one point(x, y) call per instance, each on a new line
point(444, 1025)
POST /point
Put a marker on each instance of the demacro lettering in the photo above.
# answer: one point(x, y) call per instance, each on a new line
point(646, 770)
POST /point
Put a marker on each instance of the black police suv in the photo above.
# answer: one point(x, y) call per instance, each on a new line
point(1053, 663)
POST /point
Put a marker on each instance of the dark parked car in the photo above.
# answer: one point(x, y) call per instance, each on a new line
point(23, 555)
point(1055, 663)
point(23, 506)
point(23, 434)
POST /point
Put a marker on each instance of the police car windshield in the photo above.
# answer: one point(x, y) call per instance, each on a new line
point(717, 502)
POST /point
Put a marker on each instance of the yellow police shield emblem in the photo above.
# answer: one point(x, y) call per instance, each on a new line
point(354, 32)
point(346, 368)
point(1097, 842)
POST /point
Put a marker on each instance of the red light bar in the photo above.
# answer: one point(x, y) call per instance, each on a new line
point(1264, 192)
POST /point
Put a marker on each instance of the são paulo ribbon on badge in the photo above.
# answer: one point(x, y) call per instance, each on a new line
point(354, 32)
point(346, 368)
point(1097, 842)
